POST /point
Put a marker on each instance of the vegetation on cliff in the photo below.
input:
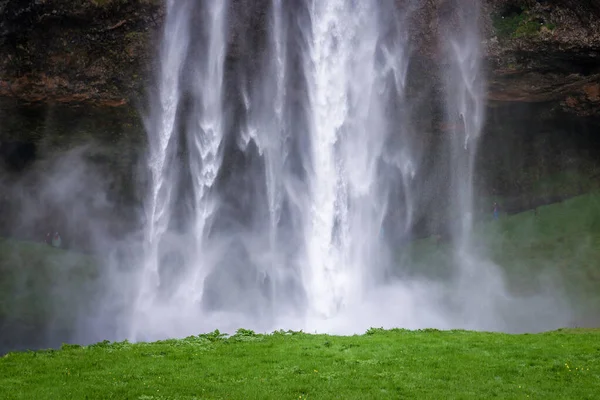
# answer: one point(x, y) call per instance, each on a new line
point(518, 23)
point(545, 51)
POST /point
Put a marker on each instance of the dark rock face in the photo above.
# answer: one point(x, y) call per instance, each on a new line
point(545, 51)
point(15, 156)
point(94, 51)
point(101, 51)
point(535, 50)
point(55, 159)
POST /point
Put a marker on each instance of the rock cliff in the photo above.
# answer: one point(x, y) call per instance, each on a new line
point(545, 51)
point(76, 51)
point(101, 51)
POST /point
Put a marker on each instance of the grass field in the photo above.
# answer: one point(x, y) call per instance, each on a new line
point(378, 365)
point(558, 243)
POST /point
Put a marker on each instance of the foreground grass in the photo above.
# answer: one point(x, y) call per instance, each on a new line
point(380, 364)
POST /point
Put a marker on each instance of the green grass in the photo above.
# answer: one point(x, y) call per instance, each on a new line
point(534, 186)
point(561, 243)
point(38, 283)
point(378, 365)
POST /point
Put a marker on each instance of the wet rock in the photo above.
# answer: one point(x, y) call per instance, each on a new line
point(545, 51)
point(534, 51)
point(102, 52)
point(76, 51)
point(15, 156)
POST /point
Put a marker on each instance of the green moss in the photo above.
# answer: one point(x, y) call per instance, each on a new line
point(38, 283)
point(507, 25)
point(517, 25)
point(135, 36)
point(527, 28)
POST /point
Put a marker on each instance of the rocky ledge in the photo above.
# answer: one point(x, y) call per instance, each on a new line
point(101, 51)
point(76, 51)
point(545, 51)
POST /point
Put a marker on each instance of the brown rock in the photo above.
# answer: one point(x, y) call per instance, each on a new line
point(102, 52)
point(592, 91)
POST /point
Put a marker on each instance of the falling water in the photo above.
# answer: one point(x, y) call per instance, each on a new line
point(268, 128)
point(465, 113)
point(348, 131)
point(161, 132)
point(203, 132)
point(482, 296)
point(465, 103)
point(302, 196)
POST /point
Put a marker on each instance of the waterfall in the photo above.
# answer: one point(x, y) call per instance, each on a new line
point(198, 93)
point(205, 129)
point(465, 106)
point(160, 126)
point(348, 131)
point(287, 173)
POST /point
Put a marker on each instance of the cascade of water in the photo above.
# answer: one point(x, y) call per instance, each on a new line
point(274, 135)
point(481, 291)
point(161, 137)
point(325, 155)
point(465, 106)
point(203, 131)
point(348, 133)
point(276, 156)
point(266, 126)
point(465, 112)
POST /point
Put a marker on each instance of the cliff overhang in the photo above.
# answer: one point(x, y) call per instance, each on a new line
point(102, 51)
